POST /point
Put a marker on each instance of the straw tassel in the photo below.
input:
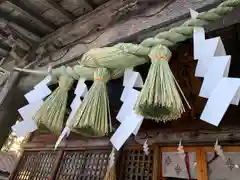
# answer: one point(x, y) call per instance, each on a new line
point(93, 116)
point(51, 114)
point(111, 170)
point(159, 98)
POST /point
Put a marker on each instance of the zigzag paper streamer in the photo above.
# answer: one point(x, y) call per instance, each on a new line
point(217, 69)
point(44, 82)
point(129, 95)
point(131, 79)
point(207, 49)
point(213, 65)
point(127, 109)
point(127, 127)
point(28, 111)
point(35, 100)
point(226, 92)
point(130, 122)
point(80, 91)
point(38, 93)
point(24, 127)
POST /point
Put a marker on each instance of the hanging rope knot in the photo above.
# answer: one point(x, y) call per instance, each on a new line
point(160, 52)
point(99, 79)
point(161, 58)
point(102, 74)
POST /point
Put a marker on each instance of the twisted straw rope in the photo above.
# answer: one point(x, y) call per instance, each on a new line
point(185, 31)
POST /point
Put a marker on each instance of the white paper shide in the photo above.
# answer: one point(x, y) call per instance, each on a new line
point(35, 99)
point(80, 91)
point(213, 65)
point(130, 121)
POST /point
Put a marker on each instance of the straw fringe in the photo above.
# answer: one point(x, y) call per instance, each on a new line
point(51, 114)
point(93, 116)
point(159, 98)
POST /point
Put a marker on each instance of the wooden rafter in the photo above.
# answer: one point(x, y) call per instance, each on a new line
point(3, 52)
point(92, 4)
point(4, 46)
point(21, 23)
point(33, 14)
point(22, 37)
point(59, 8)
point(3, 33)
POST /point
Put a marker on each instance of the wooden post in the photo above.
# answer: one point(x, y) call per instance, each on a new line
point(201, 165)
point(160, 167)
point(56, 165)
point(156, 163)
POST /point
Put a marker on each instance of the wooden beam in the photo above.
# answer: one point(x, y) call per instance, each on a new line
point(227, 136)
point(34, 14)
point(56, 165)
point(4, 46)
point(201, 148)
point(23, 44)
point(91, 4)
point(3, 52)
point(21, 23)
point(20, 32)
point(174, 149)
point(24, 34)
point(62, 10)
point(225, 149)
point(100, 16)
point(3, 33)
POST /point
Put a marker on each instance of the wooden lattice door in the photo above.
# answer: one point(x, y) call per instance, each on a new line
point(37, 165)
point(86, 165)
point(135, 165)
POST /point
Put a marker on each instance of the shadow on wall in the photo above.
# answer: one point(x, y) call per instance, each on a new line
point(8, 111)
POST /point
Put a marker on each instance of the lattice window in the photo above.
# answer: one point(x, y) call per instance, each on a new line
point(35, 165)
point(83, 165)
point(136, 165)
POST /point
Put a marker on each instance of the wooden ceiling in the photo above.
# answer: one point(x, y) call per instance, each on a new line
point(30, 20)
